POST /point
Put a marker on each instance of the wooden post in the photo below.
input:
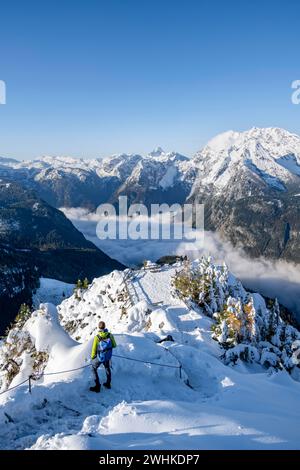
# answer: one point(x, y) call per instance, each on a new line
point(29, 383)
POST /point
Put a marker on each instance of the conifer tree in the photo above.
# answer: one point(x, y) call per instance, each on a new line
point(250, 333)
point(77, 289)
point(23, 314)
point(273, 321)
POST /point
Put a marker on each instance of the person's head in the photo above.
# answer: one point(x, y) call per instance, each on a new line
point(101, 325)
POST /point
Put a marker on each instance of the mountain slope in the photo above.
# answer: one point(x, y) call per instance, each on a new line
point(63, 181)
point(211, 406)
point(271, 156)
point(38, 240)
point(249, 183)
point(156, 179)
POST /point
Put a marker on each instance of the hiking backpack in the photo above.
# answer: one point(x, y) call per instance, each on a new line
point(104, 350)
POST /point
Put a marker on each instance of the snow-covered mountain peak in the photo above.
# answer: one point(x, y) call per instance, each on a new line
point(272, 154)
point(6, 161)
point(157, 152)
point(275, 140)
point(58, 160)
point(61, 160)
point(222, 141)
point(160, 155)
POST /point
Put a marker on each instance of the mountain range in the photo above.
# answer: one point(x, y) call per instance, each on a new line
point(249, 182)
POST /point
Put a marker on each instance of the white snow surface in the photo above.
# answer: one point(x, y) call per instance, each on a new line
point(52, 290)
point(168, 179)
point(149, 406)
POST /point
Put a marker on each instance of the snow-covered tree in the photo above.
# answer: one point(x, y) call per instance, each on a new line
point(78, 289)
point(244, 326)
point(23, 314)
point(202, 283)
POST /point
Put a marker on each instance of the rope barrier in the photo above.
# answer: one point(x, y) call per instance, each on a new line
point(180, 365)
point(65, 371)
point(15, 386)
point(147, 362)
point(32, 377)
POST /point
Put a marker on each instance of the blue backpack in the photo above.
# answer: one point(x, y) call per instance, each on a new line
point(104, 350)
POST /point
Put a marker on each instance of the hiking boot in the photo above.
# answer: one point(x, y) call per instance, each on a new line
point(95, 389)
point(107, 385)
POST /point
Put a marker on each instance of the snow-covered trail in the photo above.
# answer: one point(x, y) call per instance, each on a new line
point(63, 407)
point(149, 406)
point(187, 326)
point(155, 286)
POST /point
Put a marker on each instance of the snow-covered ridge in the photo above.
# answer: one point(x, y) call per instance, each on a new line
point(162, 169)
point(212, 405)
point(66, 162)
point(273, 154)
point(270, 154)
point(277, 141)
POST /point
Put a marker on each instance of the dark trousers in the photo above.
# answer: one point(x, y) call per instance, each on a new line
point(96, 364)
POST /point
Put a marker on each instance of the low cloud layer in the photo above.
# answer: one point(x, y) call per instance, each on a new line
point(271, 278)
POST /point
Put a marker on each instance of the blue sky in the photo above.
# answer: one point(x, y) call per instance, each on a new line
point(93, 77)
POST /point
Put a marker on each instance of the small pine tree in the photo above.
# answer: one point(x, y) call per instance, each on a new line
point(77, 289)
point(229, 323)
point(23, 315)
point(85, 283)
point(276, 314)
point(199, 286)
point(250, 331)
point(224, 336)
point(222, 331)
point(273, 321)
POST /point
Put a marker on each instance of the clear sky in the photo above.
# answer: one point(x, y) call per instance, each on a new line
point(94, 77)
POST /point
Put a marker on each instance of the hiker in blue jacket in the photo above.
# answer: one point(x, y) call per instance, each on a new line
point(103, 344)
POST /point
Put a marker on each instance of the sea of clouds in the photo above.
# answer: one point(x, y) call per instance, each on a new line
point(271, 278)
